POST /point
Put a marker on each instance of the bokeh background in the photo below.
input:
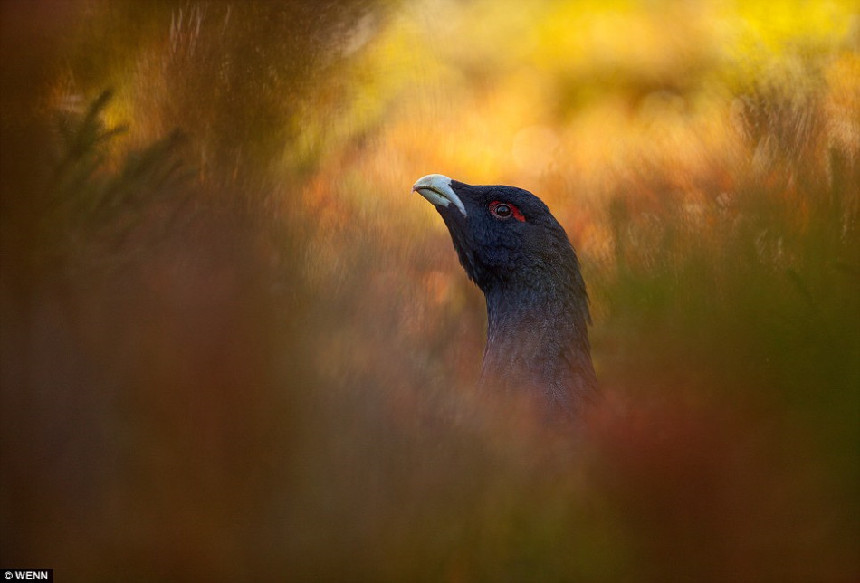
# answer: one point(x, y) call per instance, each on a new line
point(235, 347)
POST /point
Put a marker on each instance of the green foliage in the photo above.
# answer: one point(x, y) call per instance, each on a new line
point(748, 297)
point(95, 199)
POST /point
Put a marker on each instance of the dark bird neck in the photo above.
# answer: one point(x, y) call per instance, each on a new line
point(512, 247)
point(537, 341)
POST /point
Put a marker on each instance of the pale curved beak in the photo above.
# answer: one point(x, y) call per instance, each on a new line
point(437, 190)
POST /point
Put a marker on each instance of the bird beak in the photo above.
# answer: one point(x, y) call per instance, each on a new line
point(437, 190)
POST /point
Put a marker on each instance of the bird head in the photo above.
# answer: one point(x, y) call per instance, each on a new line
point(537, 306)
point(505, 236)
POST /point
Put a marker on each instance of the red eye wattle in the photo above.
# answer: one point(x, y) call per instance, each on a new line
point(503, 210)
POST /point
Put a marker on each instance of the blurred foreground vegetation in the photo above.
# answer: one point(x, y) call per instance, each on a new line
point(233, 347)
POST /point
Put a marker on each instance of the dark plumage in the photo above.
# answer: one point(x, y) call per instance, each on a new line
point(537, 307)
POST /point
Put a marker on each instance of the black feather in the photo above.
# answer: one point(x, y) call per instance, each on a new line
point(537, 305)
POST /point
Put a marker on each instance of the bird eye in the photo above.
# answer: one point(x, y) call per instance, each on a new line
point(503, 210)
